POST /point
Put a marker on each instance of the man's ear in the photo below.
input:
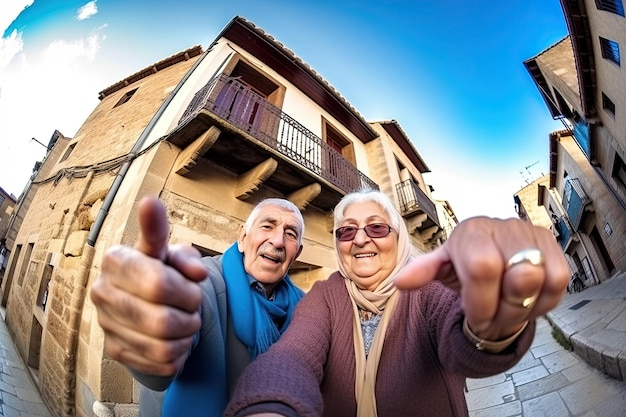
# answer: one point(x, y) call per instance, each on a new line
point(299, 252)
point(240, 237)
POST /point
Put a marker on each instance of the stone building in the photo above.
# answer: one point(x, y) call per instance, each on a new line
point(211, 132)
point(447, 218)
point(7, 207)
point(583, 84)
point(527, 203)
point(42, 169)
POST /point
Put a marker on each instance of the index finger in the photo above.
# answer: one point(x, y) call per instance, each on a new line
point(154, 228)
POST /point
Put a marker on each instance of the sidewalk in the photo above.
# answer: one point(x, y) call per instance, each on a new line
point(594, 321)
point(19, 396)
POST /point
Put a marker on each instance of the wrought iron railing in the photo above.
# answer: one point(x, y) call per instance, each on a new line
point(244, 108)
point(412, 198)
point(574, 201)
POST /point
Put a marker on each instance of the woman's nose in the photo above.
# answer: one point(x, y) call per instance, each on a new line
point(361, 237)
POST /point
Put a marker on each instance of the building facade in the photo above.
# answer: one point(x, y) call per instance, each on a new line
point(211, 133)
point(528, 203)
point(7, 207)
point(583, 83)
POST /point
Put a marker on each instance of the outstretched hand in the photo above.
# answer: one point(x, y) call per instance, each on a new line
point(148, 297)
point(497, 298)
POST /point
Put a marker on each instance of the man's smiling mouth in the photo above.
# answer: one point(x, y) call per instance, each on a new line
point(269, 258)
point(364, 255)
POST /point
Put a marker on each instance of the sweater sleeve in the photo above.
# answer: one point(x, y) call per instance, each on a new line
point(459, 355)
point(290, 372)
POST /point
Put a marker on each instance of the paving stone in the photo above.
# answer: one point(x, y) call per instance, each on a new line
point(587, 394)
point(8, 411)
point(511, 409)
point(490, 396)
point(577, 372)
point(615, 406)
point(542, 386)
point(28, 394)
point(549, 405)
point(529, 375)
point(475, 383)
point(546, 349)
point(558, 361)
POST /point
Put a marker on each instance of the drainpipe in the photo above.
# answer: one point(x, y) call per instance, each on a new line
point(117, 183)
point(88, 254)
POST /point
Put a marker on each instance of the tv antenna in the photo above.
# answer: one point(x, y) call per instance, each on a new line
point(528, 177)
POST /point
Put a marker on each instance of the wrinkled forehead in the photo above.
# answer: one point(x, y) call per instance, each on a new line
point(278, 215)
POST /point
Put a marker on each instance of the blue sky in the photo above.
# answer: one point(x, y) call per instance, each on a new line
point(451, 73)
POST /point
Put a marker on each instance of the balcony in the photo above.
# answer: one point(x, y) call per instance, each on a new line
point(563, 232)
point(251, 131)
point(417, 208)
point(576, 202)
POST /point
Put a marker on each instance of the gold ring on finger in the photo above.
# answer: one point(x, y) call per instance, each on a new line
point(523, 302)
point(531, 255)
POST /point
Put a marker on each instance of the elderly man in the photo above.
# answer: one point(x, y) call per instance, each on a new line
point(189, 325)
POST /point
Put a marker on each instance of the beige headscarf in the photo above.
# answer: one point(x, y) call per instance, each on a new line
point(382, 299)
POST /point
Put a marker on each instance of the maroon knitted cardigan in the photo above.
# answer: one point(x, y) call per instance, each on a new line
point(423, 365)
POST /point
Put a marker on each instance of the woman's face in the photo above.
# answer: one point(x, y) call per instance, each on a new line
point(367, 261)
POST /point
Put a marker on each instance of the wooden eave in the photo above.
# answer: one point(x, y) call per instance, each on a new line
point(152, 69)
point(542, 86)
point(393, 128)
point(578, 26)
point(284, 62)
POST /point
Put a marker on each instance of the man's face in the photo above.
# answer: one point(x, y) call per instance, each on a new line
point(271, 245)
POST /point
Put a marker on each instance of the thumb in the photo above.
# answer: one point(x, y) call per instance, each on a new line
point(423, 269)
point(154, 228)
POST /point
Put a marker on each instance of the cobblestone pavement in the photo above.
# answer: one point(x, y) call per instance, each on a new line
point(548, 381)
point(19, 396)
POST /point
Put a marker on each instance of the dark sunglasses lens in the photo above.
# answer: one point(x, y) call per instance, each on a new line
point(345, 233)
point(377, 230)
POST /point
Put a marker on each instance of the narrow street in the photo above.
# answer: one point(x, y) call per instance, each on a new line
point(548, 381)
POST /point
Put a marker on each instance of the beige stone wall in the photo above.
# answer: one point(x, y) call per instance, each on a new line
point(605, 208)
point(6, 210)
point(528, 195)
point(57, 224)
point(609, 76)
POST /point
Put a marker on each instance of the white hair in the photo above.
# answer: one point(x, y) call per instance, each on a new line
point(279, 202)
point(395, 218)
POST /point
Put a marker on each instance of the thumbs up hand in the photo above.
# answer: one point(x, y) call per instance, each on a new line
point(148, 297)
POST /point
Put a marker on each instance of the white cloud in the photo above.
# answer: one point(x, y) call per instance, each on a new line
point(86, 11)
point(9, 47)
point(43, 91)
point(10, 10)
point(13, 44)
point(64, 54)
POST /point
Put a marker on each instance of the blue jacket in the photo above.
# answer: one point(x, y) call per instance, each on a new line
point(216, 360)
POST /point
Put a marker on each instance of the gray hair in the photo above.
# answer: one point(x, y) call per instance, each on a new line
point(395, 218)
point(279, 202)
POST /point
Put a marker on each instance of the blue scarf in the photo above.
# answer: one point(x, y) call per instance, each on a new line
point(253, 315)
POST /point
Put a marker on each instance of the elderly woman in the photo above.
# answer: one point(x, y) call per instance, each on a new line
point(358, 346)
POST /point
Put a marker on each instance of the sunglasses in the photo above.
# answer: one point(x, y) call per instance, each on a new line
point(374, 230)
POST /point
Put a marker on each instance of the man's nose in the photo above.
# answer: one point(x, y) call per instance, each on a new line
point(277, 237)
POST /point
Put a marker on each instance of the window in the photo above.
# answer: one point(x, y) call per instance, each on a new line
point(127, 96)
point(610, 50)
point(619, 171)
point(608, 105)
point(613, 6)
point(67, 153)
point(1, 199)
